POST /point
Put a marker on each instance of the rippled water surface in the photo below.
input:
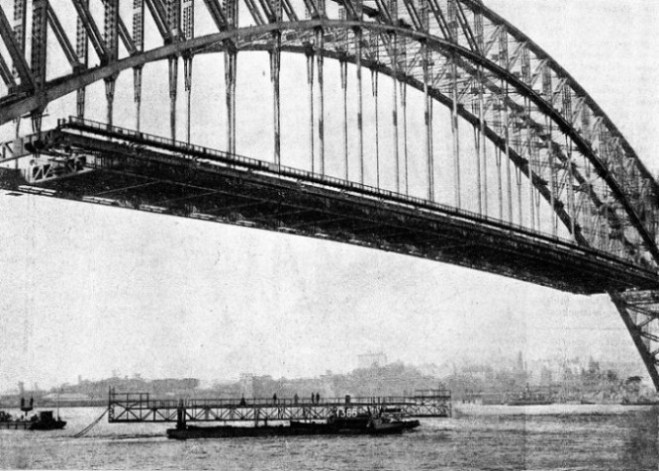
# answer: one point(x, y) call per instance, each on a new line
point(477, 438)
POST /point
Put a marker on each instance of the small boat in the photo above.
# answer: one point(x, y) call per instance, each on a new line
point(43, 421)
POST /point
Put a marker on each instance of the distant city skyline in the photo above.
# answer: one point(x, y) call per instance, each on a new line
point(443, 370)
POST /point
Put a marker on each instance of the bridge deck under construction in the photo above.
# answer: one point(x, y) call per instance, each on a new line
point(140, 407)
point(97, 163)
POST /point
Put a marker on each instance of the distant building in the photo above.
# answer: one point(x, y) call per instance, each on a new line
point(327, 384)
point(247, 384)
point(520, 365)
point(370, 360)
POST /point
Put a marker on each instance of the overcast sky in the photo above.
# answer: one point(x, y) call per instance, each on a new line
point(87, 290)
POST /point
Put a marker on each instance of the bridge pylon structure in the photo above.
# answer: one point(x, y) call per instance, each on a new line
point(458, 138)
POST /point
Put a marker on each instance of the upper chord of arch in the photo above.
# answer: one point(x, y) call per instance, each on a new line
point(531, 105)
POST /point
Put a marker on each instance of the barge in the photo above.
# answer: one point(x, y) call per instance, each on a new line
point(359, 425)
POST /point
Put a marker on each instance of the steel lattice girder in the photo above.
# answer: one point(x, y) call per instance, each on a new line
point(492, 29)
point(259, 38)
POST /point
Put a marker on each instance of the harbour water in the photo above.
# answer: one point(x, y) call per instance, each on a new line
point(555, 437)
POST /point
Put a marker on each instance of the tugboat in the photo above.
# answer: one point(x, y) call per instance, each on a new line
point(362, 424)
point(46, 421)
point(43, 421)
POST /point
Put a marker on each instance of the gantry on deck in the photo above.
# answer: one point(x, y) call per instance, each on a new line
point(141, 407)
point(96, 163)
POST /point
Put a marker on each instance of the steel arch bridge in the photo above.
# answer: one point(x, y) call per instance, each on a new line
point(529, 177)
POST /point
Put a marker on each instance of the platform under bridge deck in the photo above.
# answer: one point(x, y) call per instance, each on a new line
point(96, 163)
point(141, 407)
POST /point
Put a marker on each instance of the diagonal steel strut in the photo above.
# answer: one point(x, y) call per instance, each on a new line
point(643, 325)
point(14, 50)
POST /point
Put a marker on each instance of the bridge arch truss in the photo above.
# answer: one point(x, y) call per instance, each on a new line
point(542, 125)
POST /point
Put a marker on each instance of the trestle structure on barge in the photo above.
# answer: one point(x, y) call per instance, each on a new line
point(143, 407)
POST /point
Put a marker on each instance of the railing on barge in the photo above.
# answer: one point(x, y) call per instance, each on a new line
point(141, 407)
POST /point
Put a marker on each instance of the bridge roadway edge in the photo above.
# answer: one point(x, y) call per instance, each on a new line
point(270, 201)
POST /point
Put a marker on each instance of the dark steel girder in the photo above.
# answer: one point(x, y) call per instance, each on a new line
point(147, 183)
point(319, 222)
point(62, 38)
point(268, 10)
point(134, 144)
point(159, 16)
point(216, 13)
point(414, 14)
point(15, 52)
point(512, 252)
point(94, 35)
point(443, 46)
point(115, 190)
point(124, 34)
point(5, 73)
point(466, 28)
point(292, 210)
point(516, 158)
point(126, 38)
point(219, 39)
point(478, 6)
point(649, 358)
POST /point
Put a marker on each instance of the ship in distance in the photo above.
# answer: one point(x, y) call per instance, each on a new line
point(530, 398)
point(44, 420)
